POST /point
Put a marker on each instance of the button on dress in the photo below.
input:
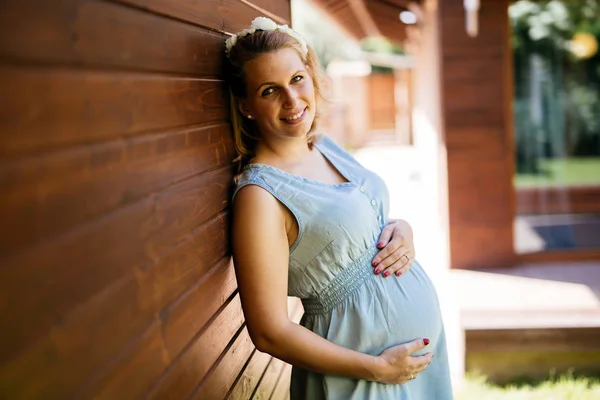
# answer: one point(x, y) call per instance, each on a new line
point(344, 301)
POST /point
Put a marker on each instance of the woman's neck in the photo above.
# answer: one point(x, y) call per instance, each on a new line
point(287, 152)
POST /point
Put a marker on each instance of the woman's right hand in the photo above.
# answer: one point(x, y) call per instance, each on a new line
point(398, 366)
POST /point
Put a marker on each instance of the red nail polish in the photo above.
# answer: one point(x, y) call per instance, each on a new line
point(398, 273)
point(375, 263)
point(380, 244)
point(386, 274)
point(377, 271)
point(426, 341)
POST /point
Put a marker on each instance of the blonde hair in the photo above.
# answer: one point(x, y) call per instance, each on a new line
point(248, 48)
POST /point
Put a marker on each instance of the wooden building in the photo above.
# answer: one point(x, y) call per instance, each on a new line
point(115, 173)
point(115, 176)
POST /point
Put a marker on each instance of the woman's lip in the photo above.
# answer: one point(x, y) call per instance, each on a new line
point(296, 121)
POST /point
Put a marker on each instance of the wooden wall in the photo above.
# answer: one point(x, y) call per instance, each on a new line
point(115, 173)
point(382, 104)
point(477, 95)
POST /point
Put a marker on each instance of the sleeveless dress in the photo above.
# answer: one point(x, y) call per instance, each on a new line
point(344, 301)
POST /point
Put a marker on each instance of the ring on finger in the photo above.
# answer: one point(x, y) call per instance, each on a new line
point(412, 377)
point(407, 257)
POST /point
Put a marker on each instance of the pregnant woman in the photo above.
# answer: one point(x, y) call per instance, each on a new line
point(310, 221)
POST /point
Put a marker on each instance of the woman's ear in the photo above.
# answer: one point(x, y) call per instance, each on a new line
point(243, 109)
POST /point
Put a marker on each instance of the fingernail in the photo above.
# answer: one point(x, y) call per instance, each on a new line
point(375, 263)
point(377, 271)
point(426, 341)
point(386, 274)
point(380, 244)
point(398, 273)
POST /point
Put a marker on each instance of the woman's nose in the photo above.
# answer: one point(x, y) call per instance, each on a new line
point(291, 98)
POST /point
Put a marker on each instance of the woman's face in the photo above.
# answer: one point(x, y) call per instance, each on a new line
point(280, 95)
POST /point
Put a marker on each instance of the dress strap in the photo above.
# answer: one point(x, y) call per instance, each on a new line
point(257, 175)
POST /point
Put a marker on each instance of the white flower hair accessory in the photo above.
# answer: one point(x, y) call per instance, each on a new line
point(265, 24)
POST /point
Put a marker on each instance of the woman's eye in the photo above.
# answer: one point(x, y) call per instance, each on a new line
point(297, 78)
point(267, 91)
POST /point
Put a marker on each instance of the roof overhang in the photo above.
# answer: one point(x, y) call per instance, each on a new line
point(363, 18)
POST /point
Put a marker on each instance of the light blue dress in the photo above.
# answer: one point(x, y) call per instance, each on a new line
point(344, 301)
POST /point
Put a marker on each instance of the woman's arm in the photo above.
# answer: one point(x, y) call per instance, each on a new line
point(260, 250)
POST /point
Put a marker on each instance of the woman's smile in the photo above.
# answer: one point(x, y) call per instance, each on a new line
point(295, 119)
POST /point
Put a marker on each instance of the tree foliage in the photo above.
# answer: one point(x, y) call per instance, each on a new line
point(551, 82)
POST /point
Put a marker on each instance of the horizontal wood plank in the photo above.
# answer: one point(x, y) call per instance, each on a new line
point(491, 37)
point(247, 381)
point(220, 15)
point(186, 372)
point(84, 351)
point(218, 383)
point(197, 306)
point(75, 32)
point(269, 380)
point(56, 277)
point(47, 195)
point(116, 378)
point(250, 376)
point(282, 389)
point(133, 372)
point(557, 200)
point(474, 178)
point(281, 9)
point(482, 239)
point(52, 108)
point(480, 143)
point(548, 340)
point(562, 255)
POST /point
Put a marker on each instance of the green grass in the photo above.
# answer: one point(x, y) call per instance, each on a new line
point(563, 172)
point(565, 387)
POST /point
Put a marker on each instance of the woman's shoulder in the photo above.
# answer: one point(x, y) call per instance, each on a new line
point(332, 147)
point(250, 175)
point(327, 141)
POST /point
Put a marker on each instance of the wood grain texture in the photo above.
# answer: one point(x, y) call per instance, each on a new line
point(53, 108)
point(121, 376)
point(478, 135)
point(51, 280)
point(116, 173)
point(269, 380)
point(382, 104)
point(74, 32)
point(533, 340)
point(217, 384)
point(387, 19)
point(573, 199)
point(115, 319)
point(282, 388)
point(339, 11)
point(49, 194)
point(220, 15)
point(282, 9)
point(187, 371)
point(249, 378)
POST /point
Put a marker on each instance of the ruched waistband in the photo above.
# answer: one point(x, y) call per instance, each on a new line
point(344, 284)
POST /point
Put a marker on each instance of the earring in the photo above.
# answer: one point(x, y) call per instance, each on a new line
point(249, 116)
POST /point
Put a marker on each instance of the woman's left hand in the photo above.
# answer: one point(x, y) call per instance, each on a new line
point(397, 249)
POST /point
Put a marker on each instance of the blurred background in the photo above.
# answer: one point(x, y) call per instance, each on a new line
point(116, 152)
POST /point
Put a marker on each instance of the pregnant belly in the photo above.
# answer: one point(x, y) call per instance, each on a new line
point(383, 313)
